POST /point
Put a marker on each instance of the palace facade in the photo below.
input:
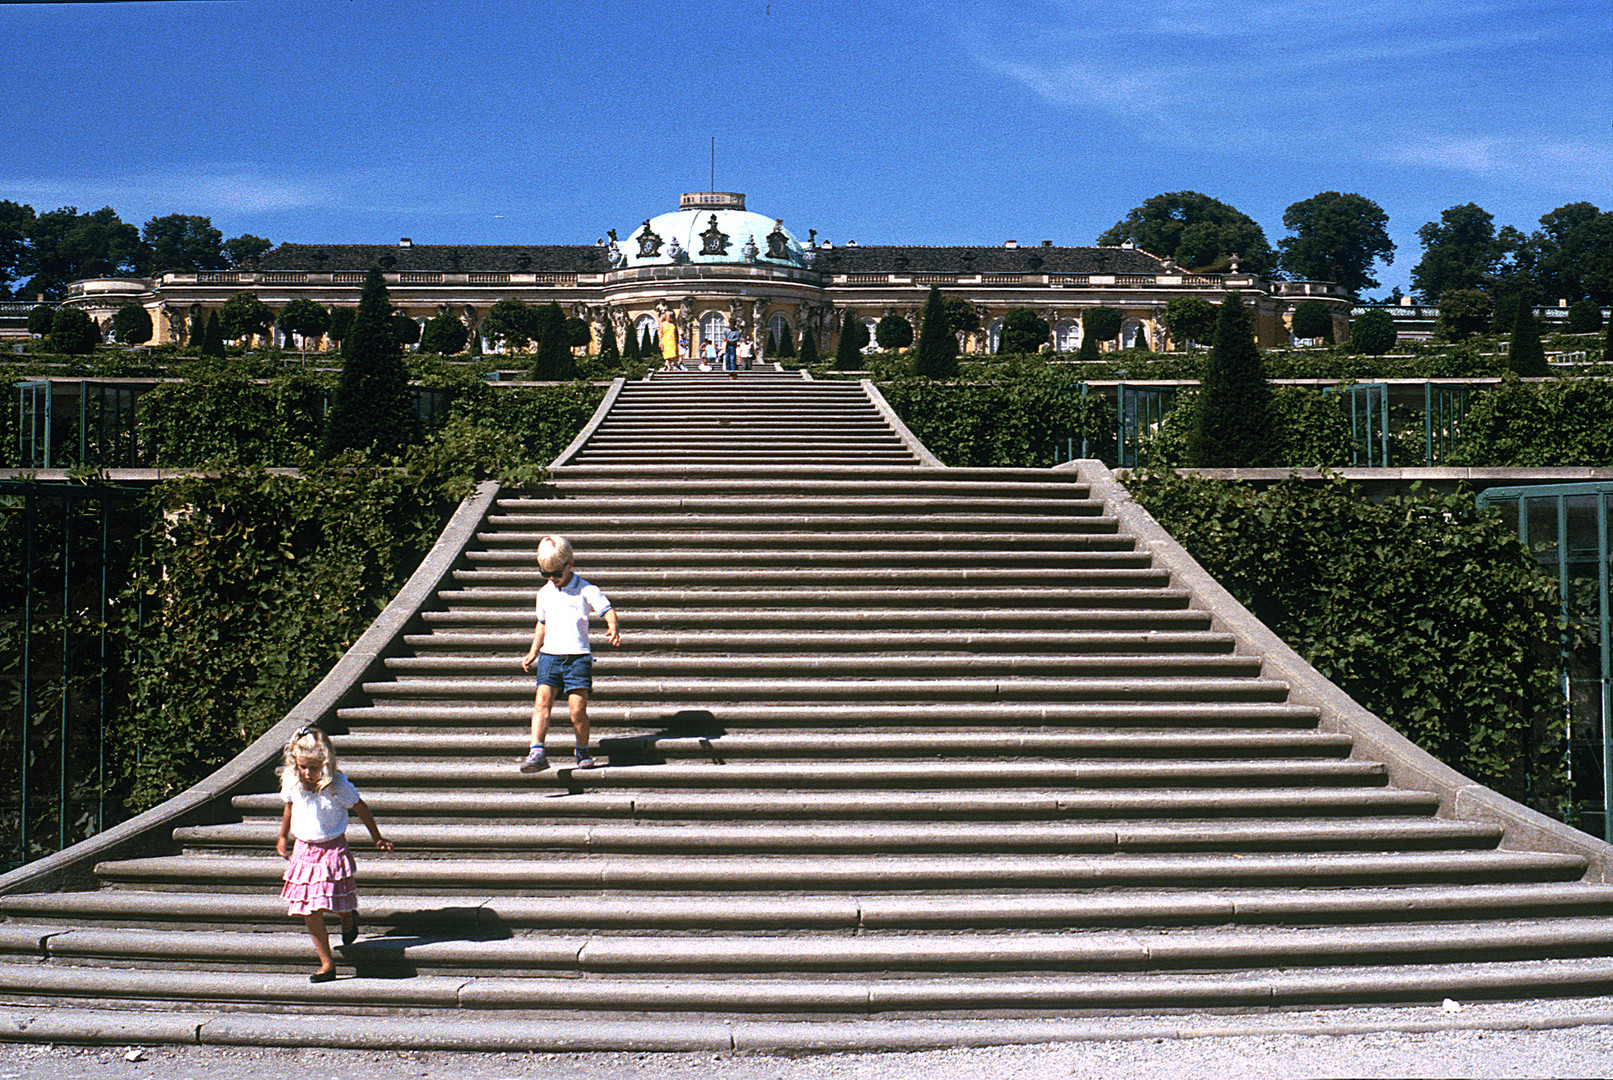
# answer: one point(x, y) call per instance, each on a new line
point(712, 264)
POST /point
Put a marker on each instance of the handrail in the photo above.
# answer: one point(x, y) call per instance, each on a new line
point(209, 800)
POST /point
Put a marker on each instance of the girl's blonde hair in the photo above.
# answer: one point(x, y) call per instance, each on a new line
point(314, 745)
point(554, 553)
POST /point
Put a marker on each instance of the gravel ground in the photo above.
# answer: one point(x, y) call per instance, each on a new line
point(1569, 1038)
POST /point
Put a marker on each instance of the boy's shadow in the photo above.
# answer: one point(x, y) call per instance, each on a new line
point(645, 750)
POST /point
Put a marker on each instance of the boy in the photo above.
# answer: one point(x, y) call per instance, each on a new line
point(560, 647)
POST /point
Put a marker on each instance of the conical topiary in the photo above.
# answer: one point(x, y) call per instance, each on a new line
point(373, 409)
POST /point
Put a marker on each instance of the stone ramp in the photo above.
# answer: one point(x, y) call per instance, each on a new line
point(888, 749)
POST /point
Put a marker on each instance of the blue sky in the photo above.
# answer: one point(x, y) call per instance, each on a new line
point(957, 122)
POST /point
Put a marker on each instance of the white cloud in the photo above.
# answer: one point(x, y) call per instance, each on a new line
point(1545, 163)
point(222, 190)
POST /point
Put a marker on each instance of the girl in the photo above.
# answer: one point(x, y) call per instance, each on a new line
point(320, 875)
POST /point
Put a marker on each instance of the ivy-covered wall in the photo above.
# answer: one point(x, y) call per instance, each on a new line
point(1424, 609)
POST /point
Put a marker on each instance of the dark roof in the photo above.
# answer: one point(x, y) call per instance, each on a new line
point(590, 259)
point(987, 260)
point(447, 258)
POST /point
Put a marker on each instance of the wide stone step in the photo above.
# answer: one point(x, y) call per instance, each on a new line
point(582, 954)
point(606, 1013)
point(1100, 573)
point(837, 719)
point(710, 692)
point(532, 802)
point(611, 664)
point(869, 596)
point(938, 485)
point(1350, 834)
point(832, 774)
point(536, 873)
point(957, 642)
point(753, 745)
point(487, 916)
point(1102, 550)
point(695, 618)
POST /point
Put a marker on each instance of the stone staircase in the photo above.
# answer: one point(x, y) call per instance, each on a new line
point(891, 755)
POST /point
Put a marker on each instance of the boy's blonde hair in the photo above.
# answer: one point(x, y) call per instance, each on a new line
point(554, 553)
point(313, 744)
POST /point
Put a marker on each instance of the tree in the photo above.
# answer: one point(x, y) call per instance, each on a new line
point(184, 243)
point(246, 249)
point(512, 323)
point(1023, 331)
point(1607, 345)
point(554, 361)
point(893, 332)
point(1196, 232)
point(131, 325)
point(373, 409)
point(445, 335)
point(15, 221)
point(1571, 254)
point(1189, 319)
point(39, 319)
point(303, 319)
point(937, 356)
point(405, 327)
point(1313, 320)
point(1373, 332)
point(809, 349)
point(647, 347)
point(243, 315)
point(853, 339)
point(68, 246)
point(577, 332)
point(609, 354)
point(962, 318)
point(1337, 237)
point(1232, 422)
point(1463, 313)
point(1460, 251)
point(1584, 316)
point(341, 324)
point(73, 333)
point(212, 343)
point(1525, 355)
point(630, 349)
point(1099, 324)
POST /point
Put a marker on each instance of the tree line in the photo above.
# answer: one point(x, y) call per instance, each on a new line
point(40, 253)
point(1339, 237)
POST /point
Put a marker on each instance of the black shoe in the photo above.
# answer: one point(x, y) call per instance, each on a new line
point(323, 976)
point(349, 936)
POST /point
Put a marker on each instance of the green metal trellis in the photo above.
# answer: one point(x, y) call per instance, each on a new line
point(68, 550)
point(1565, 526)
point(1138, 411)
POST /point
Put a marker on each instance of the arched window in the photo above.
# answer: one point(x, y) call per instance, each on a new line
point(1067, 335)
point(713, 324)
point(873, 335)
point(994, 336)
point(778, 328)
point(1132, 335)
point(647, 322)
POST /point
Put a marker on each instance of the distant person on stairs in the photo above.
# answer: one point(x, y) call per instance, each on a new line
point(565, 663)
point(319, 873)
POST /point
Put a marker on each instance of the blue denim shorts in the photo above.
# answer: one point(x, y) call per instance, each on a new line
point(566, 674)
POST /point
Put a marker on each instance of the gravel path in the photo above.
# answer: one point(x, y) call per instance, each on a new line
point(1569, 1038)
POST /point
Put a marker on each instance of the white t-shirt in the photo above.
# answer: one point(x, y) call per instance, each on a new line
point(318, 815)
point(564, 611)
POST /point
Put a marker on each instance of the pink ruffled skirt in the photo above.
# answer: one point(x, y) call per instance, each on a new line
point(319, 877)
